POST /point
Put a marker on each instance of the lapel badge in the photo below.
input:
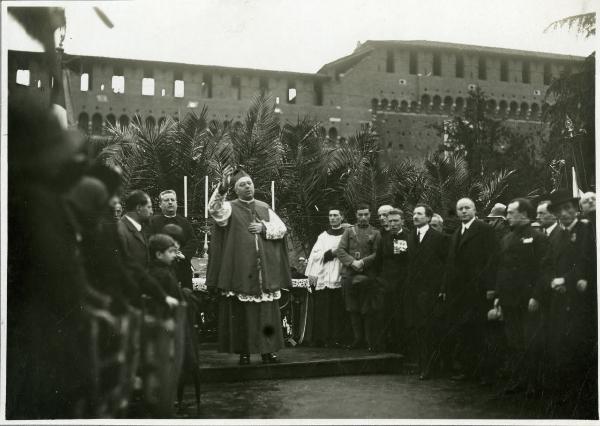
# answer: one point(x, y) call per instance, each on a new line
point(573, 237)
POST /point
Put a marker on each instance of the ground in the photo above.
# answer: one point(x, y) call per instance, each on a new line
point(385, 396)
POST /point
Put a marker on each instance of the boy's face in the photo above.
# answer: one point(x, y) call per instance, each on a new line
point(168, 256)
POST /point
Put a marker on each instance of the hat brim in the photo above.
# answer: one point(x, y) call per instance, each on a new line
point(554, 205)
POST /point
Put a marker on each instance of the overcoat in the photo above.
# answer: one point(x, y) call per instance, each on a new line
point(471, 270)
point(519, 266)
point(425, 278)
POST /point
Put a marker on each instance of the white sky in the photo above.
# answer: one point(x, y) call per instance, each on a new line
point(303, 35)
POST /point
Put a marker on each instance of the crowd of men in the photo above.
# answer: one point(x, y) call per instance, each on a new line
point(509, 298)
point(497, 298)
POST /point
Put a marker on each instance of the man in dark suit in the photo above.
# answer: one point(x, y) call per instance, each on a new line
point(138, 209)
point(519, 271)
point(134, 245)
point(571, 278)
point(189, 243)
point(427, 251)
point(392, 261)
point(470, 280)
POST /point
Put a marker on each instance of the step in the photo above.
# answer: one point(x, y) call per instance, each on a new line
point(296, 362)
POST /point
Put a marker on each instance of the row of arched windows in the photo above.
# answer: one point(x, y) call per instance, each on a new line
point(95, 126)
point(448, 105)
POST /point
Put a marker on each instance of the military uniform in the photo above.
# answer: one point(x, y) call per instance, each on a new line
point(362, 295)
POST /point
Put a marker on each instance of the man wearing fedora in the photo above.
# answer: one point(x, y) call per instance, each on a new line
point(248, 266)
point(497, 220)
point(357, 251)
point(571, 281)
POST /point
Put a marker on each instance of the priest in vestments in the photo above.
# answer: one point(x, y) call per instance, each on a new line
point(248, 265)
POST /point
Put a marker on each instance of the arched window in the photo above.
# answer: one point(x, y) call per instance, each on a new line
point(97, 124)
point(83, 122)
point(425, 103)
point(414, 106)
point(333, 133)
point(535, 110)
point(513, 109)
point(403, 106)
point(502, 107)
point(111, 119)
point(384, 103)
point(460, 105)
point(123, 121)
point(448, 104)
point(394, 105)
point(437, 102)
point(150, 121)
point(374, 104)
point(469, 103)
point(524, 110)
point(161, 121)
point(491, 106)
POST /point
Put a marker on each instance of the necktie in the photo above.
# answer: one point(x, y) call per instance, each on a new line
point(419, 235)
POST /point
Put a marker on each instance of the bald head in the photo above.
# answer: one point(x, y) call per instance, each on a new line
point(588, 202)
point(465, 210)
point(382, 214)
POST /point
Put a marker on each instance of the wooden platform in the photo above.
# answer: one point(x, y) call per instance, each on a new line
point(296, 362)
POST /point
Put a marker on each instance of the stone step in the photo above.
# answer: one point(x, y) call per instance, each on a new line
point(296, 362)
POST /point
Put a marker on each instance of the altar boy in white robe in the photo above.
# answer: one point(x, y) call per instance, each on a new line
point(324, 272)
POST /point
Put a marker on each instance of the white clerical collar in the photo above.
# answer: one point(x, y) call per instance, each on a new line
point(246, 201)
point(551, 228)
point(135, 223)
point(169, 217)
point(467, 225)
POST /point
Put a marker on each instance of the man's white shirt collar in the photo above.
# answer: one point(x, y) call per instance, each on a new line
point(467, 225)
point(135, 223)
point(422, 230)
point(551, 228)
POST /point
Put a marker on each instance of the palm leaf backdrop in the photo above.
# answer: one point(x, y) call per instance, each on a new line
point(360, 177)
point(311, 175)
point(447, 179)
point(256, 145)
point(303, 194)
point(145, 153)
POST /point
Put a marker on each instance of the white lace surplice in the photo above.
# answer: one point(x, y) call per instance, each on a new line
point(325, 275)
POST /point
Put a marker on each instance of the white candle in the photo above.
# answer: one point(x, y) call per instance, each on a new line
point(273, 195)
point(185, 201)
point(205, 197)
